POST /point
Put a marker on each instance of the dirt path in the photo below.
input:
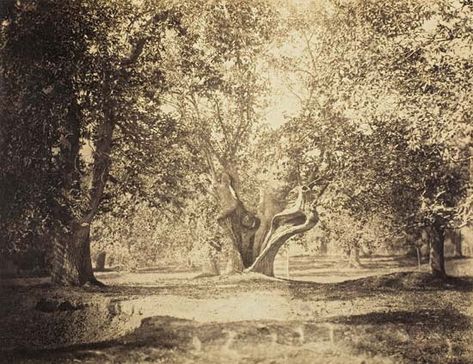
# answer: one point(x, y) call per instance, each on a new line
point(397, 318)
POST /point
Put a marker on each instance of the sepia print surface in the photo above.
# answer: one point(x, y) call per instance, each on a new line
point(236, 181)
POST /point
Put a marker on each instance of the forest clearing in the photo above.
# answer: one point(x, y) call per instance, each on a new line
point(167, 316)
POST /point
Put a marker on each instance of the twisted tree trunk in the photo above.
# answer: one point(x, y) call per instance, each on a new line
point(256, 240)
point(271, 203)
point(295, 219)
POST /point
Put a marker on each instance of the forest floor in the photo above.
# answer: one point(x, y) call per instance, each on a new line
point(385, 312)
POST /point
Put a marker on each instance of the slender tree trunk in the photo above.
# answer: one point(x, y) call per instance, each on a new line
point(100, 261)
point(210, 268)
point(71, 150)
point(190, 263)
point(418, 258)
point(437, 258)
point(457, 243)
point(210, 265)
point(234, 263)
point(323, 248)
point(354, 257)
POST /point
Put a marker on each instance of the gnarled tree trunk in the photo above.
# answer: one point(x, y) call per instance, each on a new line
point(299, 217)
point(256, 240)
point(239, 224)
point(271, 203)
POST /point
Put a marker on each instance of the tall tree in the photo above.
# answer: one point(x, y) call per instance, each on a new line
point(394, 79)
point(219, 91)
point(86, 70)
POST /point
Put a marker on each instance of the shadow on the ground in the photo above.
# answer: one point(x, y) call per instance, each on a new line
point(418, 336)
point(162, 336)
point(428, 319)
point(335, 263)
point(225, 286)
point(168, 339)
point(406, 328)
point(388, 285)
point(169, 335)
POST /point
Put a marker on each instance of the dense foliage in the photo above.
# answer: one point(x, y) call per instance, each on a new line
point(125, 115)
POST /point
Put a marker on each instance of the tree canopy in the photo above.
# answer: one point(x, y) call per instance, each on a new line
point(134, 111)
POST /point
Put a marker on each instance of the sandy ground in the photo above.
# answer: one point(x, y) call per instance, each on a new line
point(169, 317)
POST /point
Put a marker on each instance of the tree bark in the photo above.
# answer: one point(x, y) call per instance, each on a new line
point(256, 239)
point(297, 218)
point(265, 263)
point(270, 204)
point(239, 224)
point(72, 264)
point(418, 254)
point(70, 149)
point(437, 258)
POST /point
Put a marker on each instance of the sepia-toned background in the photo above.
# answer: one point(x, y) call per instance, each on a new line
point(236, 181)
